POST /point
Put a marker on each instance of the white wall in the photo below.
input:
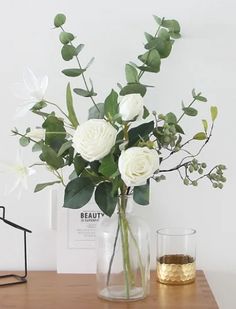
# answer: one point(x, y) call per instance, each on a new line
point(205, 58)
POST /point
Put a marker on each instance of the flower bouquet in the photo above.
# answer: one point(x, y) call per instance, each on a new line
point(118, 151)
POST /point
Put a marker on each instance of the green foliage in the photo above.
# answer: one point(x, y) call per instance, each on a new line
point(141, 194)
point(96, 112)
point(51, 158)
point(66, 37)
point(68, 52)
point(134, 88)
point(108, 166)
point(205, 125)
point(131, 74)
point(41, 186)
point(151, 61)
point(111, 105)
point(79, 164)
point(190, 111)
point(59, 20)
point(79, 49)
point(64, 147)
point(55, 132)
point(24, 141)
point(200, 136)
point(214, 113)
point(104, 199)
point(73, 72)
point(142, 131)
point(78, 192)
point(69, 103)
point(84, 92)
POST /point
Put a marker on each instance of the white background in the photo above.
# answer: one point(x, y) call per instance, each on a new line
point(205, 59)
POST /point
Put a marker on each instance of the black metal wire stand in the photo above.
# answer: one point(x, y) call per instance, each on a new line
point(17, 279)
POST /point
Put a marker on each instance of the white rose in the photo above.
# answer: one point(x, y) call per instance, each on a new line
point(37, 134)
point(131, 106)
point(94, 139)
point(137, 164)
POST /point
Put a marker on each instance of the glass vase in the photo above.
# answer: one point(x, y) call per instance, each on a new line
point(123, 255)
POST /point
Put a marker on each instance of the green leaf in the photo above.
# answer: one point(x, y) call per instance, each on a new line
point(64, 147)
point(190, 111)
point(93, 112)
point(70, 107)
point(214, 113)
point(200, 136)
point(205, 125)
point(152, 59)
point(131, 74)
point(104, 199)
point(73, 72)
point(172, 25)
point(134, 88)
point(158, 20)
point(66, 37)
point(78, 49)
point(108, 166)
point(78, 192)
point(145, 112)
point(162, 44)
point(59, 20)
point(179, 129)
point(175, 35)
point(90, 63)
point(84, 92)
point(38, 106)
point(148, 36)
point(164, 35)
point(141, 194)
point(68, 52)
point(24, 141)
point(194, 93)
point(79, 164)
point(37, 147)
point(111, 105)
point(50, 156)
point(142, 131)
point(200, 98)
point(171, 118)
point(55, 132)
point(41, 186)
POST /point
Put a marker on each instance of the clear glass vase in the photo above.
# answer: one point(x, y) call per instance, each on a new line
point(123, 255)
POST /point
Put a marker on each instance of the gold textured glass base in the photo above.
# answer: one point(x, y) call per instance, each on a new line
point(176, 269)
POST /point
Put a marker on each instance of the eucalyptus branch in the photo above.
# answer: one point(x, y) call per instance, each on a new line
point(83, 76)
point(158, 29)
point(59, 176)
point(188, 107)
point(23, 135)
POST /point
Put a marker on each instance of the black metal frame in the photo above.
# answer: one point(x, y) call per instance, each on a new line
point(18, 279)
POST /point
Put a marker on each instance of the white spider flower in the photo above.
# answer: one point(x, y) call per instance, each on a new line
point(31, 91)
point(20, 172)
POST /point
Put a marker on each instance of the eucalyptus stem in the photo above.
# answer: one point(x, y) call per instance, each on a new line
point(113, 254)
point(83, 76)
point(58, 107)
point(187, 107)
point(158, 29)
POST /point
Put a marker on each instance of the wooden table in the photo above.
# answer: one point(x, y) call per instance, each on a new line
point(49, 290)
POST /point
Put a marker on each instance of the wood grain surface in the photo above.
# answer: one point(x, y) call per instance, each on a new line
point(49, 290)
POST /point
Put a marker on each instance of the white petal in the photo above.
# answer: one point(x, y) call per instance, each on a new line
point(30, 80)
point(20, 91)
point(44, 84)
point(23, 110)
